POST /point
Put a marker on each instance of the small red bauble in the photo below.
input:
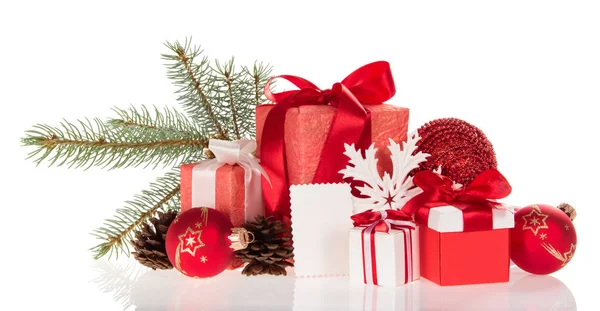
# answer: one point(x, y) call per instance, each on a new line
point(198, 243)
point(543, 239)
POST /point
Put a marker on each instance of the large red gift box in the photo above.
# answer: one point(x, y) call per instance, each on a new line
point(450, 256)
point(302, 137)
point(307, 127)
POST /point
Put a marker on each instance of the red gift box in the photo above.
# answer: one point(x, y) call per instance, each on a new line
point(302, 136)
point(464, 232)
point(459, 258)
point(307, 127)
point(230, 183)
point(229, 191)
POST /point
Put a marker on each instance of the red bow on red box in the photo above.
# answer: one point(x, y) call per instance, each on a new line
point(371, 84)
point(476, 200)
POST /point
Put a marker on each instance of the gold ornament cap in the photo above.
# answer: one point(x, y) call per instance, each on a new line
point(568, 209)
point(240, 238)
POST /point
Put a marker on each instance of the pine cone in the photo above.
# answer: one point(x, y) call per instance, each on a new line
point(569, 210)
point(270, 251)
point(149, 243)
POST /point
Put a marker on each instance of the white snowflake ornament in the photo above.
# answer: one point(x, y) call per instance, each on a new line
point(387, 192)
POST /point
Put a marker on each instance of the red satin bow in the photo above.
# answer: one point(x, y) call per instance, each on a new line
point(475, 200)
point(371, 84)
point(370, 218)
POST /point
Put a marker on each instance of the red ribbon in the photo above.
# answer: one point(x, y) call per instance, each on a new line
point(371, 84)
point(475, 200)
point(382, 221)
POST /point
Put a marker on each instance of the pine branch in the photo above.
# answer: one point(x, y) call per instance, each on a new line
point(221, 98)
point(134, 139)
point(193, 77)
point(239, 93)
point(219, 101)
point(261, 73)
point(118, 231)
point(259, 76)
point(166, 123)
point(230, 94)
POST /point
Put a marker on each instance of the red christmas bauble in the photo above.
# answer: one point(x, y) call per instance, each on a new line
point(543, 239)
point(198, 242)
point(461, 149)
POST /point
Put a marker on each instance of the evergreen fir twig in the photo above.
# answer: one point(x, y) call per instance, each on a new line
point(193, 77)
point(240, 92)
point(228, 78)
point(116, 233)
point(134, 139)
point(260, 75)
point(169, 121)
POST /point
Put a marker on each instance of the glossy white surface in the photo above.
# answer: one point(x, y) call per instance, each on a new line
point(141, 289)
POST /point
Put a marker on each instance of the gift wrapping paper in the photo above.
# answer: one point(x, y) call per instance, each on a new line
point(396, 256)
point(450, 256)
point(307, 127)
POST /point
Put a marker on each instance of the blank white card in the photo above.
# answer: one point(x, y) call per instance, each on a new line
point(320, 223)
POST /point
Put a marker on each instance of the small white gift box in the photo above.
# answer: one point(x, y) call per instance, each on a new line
point(380, 258)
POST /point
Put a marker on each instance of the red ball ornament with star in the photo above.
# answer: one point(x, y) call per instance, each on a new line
point(198, 243)
point(543, 239)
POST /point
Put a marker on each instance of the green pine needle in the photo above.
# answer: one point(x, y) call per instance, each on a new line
point(240, 92)
point(135, 138)
point(220, 97)
point(191, 73)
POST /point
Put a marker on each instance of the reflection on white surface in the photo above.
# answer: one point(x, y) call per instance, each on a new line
point(137, 288)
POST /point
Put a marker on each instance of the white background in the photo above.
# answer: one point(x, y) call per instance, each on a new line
point(526, 72)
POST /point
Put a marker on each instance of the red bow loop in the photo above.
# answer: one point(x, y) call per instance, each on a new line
point(383, 220)
point(371, 84)
point(476, 200)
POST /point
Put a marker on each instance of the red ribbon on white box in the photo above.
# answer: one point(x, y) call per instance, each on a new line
point(229, 152)
point(368, 247)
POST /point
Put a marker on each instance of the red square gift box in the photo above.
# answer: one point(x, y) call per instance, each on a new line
point(450, 256)
point(464, 233)
point(301, 137)
point(230, 183)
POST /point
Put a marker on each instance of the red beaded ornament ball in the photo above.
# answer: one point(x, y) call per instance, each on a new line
point(198, 242)
point(459, 148)
point(543, 239)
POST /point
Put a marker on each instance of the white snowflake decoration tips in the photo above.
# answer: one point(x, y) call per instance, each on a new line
point(387, 192)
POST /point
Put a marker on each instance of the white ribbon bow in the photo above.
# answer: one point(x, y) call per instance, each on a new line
point(229, 152)
point(236, 152)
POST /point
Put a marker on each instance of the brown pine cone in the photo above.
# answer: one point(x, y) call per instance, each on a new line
point(149, 242)
point(270, 252)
